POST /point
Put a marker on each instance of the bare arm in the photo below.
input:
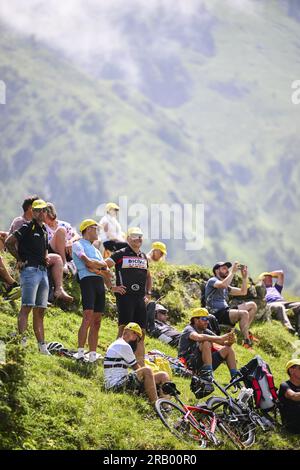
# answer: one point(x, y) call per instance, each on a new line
point(228, 338)
point(291, 395)
point(110, 263)
point(225, 283)
point(148, 282)
point(279, 275)
point(93, 263)
point(236, 291)
point(11, 244)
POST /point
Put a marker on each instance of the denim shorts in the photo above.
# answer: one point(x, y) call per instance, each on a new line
point(35, 287)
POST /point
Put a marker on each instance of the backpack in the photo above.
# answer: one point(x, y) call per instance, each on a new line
point(258, 376)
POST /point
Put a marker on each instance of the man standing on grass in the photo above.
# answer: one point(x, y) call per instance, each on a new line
point(134, 277)
point(92, 269)
point(29, 245)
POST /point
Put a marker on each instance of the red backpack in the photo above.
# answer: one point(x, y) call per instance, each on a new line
point(257, 375)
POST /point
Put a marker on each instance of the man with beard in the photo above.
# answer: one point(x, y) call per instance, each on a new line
point(202, 350)
point(216, 294)
point(120, 357)
point(289, 397)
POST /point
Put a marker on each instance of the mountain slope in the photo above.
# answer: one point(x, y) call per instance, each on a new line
point(210, 120)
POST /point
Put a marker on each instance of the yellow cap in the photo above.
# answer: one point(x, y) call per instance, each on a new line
point(39, 204)
point(134, 327)
point(87, 223)
point(159, 246)
point(134, 231)
point(111, 205)
point(199, 312)
point(292, 362)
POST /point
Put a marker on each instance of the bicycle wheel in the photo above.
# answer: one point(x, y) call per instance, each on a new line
point(233, 421)
point(194, 427)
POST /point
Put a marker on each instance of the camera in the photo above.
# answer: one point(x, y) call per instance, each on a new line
point(241, 266)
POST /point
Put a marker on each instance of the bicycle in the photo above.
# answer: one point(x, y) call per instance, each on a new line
point(240, 418)
point(198, 423)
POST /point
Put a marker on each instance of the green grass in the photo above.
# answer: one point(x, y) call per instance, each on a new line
point(56, 403)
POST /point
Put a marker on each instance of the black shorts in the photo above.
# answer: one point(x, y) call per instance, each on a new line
point(93, 293)
point(195, 362)
point(129, 383)
point(223, 316)
point(131, 308)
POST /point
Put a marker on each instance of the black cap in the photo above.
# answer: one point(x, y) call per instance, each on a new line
point(220, 264)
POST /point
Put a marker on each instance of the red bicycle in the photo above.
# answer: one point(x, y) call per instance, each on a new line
point(197, 423)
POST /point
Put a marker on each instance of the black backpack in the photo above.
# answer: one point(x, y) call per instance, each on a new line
point(257, 375)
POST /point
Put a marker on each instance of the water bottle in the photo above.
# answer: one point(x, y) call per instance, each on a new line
point(244, 396)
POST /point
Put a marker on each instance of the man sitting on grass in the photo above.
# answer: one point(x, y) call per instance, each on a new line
point(196, 346)
point(120, 357)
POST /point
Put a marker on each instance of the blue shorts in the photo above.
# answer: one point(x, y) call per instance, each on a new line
point(35, 286)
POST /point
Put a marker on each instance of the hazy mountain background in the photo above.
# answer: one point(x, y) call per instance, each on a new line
point(163, 102)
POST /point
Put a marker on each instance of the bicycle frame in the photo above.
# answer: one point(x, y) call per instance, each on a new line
point(198, 426)
point(248, 409)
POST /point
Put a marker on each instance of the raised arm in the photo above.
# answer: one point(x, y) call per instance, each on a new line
point(225, 283)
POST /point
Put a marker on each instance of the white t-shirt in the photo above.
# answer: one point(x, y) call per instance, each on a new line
point(119, 353)
point(114, 231)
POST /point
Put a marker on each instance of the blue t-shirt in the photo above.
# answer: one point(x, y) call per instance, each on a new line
point(85, 247)
point(216, 299)
point(274, 294)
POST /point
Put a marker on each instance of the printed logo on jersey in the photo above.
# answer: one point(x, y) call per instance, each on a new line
point(133, 262)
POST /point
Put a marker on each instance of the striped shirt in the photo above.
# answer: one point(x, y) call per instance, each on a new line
point(119, 357)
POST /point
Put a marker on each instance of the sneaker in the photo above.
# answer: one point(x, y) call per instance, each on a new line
point(43, 349)
point(94, 356)
point(291, 330)
point(253, 338)
point(248, 345)
point(79, 355)
point(13, 292)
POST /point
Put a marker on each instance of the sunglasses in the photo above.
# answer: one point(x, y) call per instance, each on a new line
point(203, 318)
point(136, 237)
point(41, 210)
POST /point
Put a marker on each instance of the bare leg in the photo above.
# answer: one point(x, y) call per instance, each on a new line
point(58, 243)
point(146, 375)
point(140, 351)
point(23, 318)
point(85, 325)
point(120, 330)
point(205, 349)
point(56, 266)
point(227, 353)
point(38, 323)
point(5, 274)
point(94, 331)
point(242, 316)
point(251, 308)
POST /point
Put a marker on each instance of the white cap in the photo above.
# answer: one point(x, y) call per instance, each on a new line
point(160, 307)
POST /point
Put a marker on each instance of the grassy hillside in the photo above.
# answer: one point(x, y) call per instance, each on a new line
point(55, 403)
point(210, 121)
